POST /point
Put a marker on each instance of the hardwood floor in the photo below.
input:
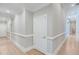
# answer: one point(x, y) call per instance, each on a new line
point(70, 47)
point(34, 52)
point(8, 48)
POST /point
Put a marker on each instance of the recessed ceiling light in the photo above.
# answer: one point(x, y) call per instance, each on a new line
point(73, 5)
point(7, 11)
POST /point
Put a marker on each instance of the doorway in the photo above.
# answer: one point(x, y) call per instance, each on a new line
point(5, 26)
point(73, 27)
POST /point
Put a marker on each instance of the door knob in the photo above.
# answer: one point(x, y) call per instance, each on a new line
point(44, 37)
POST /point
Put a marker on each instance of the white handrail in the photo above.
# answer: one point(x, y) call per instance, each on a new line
point(52, 38)
point(22, 35)
point(31, 35)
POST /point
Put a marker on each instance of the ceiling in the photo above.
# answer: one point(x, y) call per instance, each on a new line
point(67, 6)
point(70, 6)
point(35, 6)
point(8, 9)
point(14, 8)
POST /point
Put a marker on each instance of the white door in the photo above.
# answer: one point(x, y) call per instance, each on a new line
point(40, 32)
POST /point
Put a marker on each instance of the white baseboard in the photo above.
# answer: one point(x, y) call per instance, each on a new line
point(57, 50)
point(24, 50)
point(46, 53)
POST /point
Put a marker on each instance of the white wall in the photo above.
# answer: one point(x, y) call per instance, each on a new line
point(58, 25)
point(22, 24)
point(9, 25)
point(29, 22)
point(77, 28)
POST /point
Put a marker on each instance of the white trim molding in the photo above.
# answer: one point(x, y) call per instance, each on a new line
point(60, 45)
point(33, 47)
point(46, 53)
point(52, 38)
point(58, 48)
point(22, 35)
point(24, 50)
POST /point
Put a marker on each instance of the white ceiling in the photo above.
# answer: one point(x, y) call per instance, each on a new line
point(70, 8)
point(67, 6)
point(35, 6)
point(14, 8)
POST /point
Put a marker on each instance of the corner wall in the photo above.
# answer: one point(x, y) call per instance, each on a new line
point(21, 28)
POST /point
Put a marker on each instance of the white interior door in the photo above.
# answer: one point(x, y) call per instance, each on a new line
point(40, 32)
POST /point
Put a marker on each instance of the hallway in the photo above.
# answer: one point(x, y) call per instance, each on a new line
point(38, 29)
point(70, 47)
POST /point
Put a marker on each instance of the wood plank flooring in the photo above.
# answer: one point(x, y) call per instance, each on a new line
point(34, 52)
point(70, 47)
point(8, 48)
